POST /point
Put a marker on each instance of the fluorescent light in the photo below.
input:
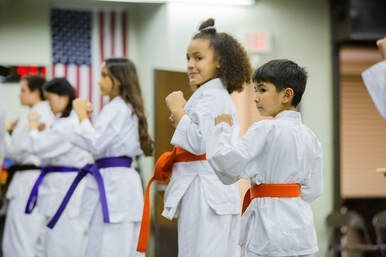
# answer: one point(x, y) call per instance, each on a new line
point(136, 1)
point(219, 2)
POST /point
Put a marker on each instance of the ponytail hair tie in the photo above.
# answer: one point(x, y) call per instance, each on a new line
point(209, 29)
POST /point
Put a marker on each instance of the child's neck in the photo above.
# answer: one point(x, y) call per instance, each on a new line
point(286, 108)
point(197, 86)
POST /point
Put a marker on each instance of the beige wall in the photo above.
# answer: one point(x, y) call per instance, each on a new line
point(24, 39)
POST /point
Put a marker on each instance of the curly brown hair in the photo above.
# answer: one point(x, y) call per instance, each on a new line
point(125, 72)
point(235, 68)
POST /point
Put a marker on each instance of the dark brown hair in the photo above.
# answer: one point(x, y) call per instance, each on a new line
point(62, 87)
point(283, 74)
point(123, 70)
point(35, 82)
point(235, 68)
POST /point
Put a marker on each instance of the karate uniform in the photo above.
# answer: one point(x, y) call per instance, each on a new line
point(114, 133)
point(68, 238)
point(207, 210)
point(277, 151)
point(375, 81)
point(22, 233)
point(2, 134)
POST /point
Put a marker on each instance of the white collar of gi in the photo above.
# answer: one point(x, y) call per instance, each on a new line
point(211, 83)
point(291, 115)
point(116, 99)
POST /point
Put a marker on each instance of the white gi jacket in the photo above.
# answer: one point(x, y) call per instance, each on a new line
point(375, 81)
point(208, 101)
point(22, 231)
point(280, 150)
point(2, 134)
point(114, 133)
point(16, 147)
point(52, 145)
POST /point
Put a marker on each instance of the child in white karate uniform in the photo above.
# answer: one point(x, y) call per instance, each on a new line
point(283, 160)
point(2, 134)
point(113, 198)
point(22, 232)
point(208, 212)
point(61, 162)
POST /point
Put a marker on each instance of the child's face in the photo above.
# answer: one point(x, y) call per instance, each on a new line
point(202, 62)
point(268, 100)
point(26, 95)
point(58, 103)
point(106, 84)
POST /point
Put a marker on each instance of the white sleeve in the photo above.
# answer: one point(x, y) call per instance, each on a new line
point(229, 157)
point(191, 131)
point(375, 82)
point(16, 143)
point(19, 142)
point(51, 142)
point(2, 133)
point(312, 187)
point(105, 132)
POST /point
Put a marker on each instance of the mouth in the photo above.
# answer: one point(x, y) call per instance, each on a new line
point(192, 74)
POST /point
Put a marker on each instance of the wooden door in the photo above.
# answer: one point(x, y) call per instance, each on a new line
point(165, 83)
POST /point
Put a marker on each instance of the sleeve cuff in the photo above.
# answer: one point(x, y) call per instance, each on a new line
point(179, 136)
point(375, 69)
point(34, 133)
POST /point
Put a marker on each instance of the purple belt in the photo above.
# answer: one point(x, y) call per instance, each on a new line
point(33, 197)
point(93, 169)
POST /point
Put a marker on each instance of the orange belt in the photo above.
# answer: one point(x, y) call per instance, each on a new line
point(270, 190)
point(162, 173)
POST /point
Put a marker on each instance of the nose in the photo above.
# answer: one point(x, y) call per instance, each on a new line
point(257, 98)
point(190, 64)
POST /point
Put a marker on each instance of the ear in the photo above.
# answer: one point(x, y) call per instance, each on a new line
point(217, 60)
point(288, 95)
point(115, 82)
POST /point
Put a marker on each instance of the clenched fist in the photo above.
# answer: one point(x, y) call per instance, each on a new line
point(227, 118)
point(175, 102)
point(381, 43)
point(82, 108)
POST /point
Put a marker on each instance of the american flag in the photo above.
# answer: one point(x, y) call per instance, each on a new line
point(81, 41)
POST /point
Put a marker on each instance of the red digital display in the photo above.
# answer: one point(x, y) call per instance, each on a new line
point(30, 70)
point(14, 73)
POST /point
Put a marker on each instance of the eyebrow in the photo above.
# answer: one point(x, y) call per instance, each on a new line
point(194, 53)
point(260, 84)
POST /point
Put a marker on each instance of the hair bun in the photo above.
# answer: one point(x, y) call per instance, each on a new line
point(207, 26)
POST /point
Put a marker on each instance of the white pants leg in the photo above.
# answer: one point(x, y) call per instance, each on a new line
point(112, 239)
point(66, 239)
point(202, 232)
point(246, 253)
point(22, 232)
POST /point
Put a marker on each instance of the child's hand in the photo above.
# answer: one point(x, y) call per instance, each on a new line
point(41, 127)
point(175, 101)
point(82, 108)
point(227, 118)
point(172, 120)
point(381, 43)
point(33, 120)
point(89, 110)
point(11, 125)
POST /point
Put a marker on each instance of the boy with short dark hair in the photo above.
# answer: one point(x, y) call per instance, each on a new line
point(283, 160)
